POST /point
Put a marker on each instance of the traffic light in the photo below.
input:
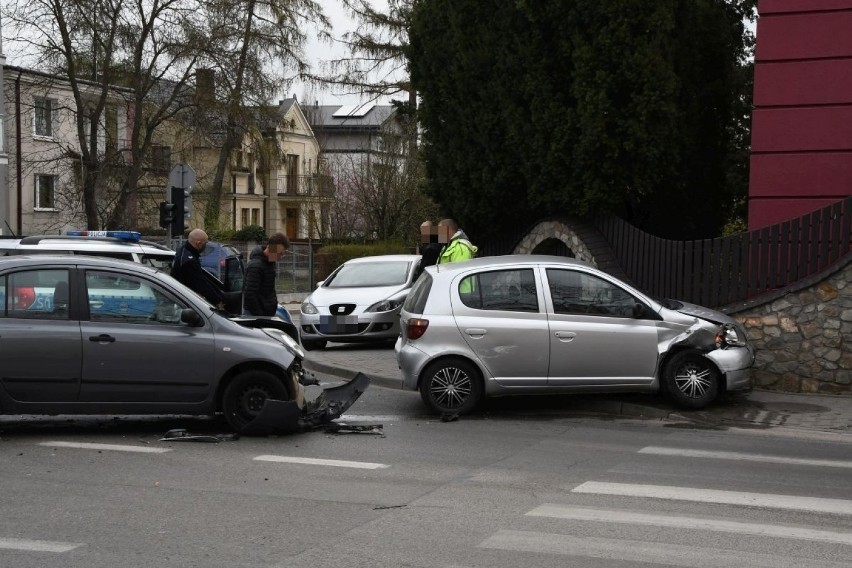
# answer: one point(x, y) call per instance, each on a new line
point(187, 208)
point(167, 211)
point(178, 218)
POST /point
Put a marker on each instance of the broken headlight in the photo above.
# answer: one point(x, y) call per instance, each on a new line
point(288, 341)
point(729, 336)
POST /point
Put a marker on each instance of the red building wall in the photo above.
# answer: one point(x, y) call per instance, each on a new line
point(801, 139)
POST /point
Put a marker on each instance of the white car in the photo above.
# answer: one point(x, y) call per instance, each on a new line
point(359, 301)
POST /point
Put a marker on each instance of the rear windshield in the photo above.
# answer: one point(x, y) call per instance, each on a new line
point(415, 303)
point(369, 274)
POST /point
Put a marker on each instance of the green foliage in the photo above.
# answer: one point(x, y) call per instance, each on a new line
point(254, 233)
point(222, 235)
point(534, 109)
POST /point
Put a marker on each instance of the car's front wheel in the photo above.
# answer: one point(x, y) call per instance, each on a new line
point(691, 380)
point(246, 394)
point(451, 386)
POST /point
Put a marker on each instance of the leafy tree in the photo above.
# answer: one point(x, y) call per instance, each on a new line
point(97, 45)
point(539, 108)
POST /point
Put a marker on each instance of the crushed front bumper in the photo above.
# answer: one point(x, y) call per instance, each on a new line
point(285, 416)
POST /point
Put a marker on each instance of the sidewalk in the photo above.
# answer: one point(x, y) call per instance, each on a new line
point(759, 409)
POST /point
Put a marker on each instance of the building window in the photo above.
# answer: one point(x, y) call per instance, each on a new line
point(44, 110)
point(161, 158)
point(45, 192)
point(255, 216)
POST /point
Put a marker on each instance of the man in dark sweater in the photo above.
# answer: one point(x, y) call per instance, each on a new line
point(259, 295)
point(186, 269)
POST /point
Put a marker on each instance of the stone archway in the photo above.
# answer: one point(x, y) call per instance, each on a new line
point(555, 230)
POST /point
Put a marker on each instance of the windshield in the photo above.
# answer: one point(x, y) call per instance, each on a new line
point(369, 274)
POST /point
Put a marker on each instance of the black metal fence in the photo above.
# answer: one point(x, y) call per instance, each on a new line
point(725, 270)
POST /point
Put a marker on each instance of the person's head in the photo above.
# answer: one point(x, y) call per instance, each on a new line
point(428, 232)
point(446, 229)
point(276, 246)
point(197, 239)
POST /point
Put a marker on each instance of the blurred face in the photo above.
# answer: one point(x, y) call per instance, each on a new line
point(444, 234)
point(275, 252)
point(428, 234)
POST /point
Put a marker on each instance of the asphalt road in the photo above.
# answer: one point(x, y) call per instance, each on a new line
point(511, 486)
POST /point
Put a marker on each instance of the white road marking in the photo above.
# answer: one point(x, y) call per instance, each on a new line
point(317, 461)
point(764, 500)
point(107, 447)
point(371, 418)
point(635, 551)
point(743, 457)
point(37, 545)
point(555, 511)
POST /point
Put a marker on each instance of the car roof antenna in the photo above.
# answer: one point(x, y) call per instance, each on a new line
point(10, 229)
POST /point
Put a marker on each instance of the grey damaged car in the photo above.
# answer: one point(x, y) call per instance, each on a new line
point(528, 324)
point(88, 335)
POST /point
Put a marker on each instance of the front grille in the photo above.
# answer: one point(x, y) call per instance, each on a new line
point(341, 309)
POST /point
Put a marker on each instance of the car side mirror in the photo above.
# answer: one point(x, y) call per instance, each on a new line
point(190, 317)
point(638, 310)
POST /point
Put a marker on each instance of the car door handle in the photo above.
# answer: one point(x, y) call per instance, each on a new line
point(102, 338)
point(565, 336)
point(475, 332)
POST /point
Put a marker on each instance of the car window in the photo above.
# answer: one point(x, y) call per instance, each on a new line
point(369, 274)
point(158, 261)
point(415, 303)
point(233, 274)
point(506, 290)
point(35, 294)
point(119, 298)
point(575, 292)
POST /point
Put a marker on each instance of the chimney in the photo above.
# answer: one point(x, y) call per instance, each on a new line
point(205, 86)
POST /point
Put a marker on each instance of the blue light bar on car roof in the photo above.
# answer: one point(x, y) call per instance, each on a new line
point(123, 235)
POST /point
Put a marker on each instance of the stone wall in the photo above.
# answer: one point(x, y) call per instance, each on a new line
point(803, 336)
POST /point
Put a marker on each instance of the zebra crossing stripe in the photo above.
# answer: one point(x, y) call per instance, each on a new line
point(762, 500)
point(567, 512)
point(764, 458)
point(636, 551)
point(36, 545)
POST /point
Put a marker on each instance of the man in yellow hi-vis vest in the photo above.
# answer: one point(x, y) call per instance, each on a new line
point(458, 246)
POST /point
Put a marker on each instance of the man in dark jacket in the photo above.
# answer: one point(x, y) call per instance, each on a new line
point(259, 295)
point(186, 269)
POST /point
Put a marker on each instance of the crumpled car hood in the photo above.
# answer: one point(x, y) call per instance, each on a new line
point(705, 313)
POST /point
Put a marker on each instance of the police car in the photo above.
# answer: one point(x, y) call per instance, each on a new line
point(223, 263)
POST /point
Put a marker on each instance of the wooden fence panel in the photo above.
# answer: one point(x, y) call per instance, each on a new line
point(731, 269)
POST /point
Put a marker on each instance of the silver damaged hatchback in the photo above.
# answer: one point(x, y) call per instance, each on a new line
point(530, 324)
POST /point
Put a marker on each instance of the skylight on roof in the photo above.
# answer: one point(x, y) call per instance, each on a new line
point(353, 110)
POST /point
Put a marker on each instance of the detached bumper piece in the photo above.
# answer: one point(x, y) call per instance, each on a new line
point(285, 416)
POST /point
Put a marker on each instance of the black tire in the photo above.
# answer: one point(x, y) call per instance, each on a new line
point(691, 381)
point(451, 386)
point(312, 344)
point(246, 394)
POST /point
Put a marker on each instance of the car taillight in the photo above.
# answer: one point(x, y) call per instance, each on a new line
point(23, 298)
point(416, 328)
